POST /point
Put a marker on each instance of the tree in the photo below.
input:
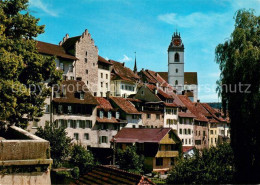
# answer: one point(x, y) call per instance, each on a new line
point(82, 158)
point(211, 166)
point(23, 69)
point(129, 160)
point(59, 141)
point(239, 62)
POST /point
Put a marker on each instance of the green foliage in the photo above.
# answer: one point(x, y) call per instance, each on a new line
point(82, 158)
point(75, 172)
point(210, 166)
point(238, 59)
point(129, 160)
point(59, 141)
point(22, 67)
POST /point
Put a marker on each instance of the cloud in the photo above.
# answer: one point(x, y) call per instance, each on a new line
point(126, 59)
point(43, 6)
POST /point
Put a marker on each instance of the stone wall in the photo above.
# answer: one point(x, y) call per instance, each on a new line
point(87, 53)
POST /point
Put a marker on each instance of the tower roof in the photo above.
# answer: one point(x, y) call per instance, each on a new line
point(176, 42)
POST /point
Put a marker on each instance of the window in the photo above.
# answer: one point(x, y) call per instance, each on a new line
point(122, 86)
point(176, 82)
point(148, 116)
point(69, 109)
point(159, 161)
point(211, 131)
point(215, 140)
point(189, 141)
point(88, 124)
point(103, 127)
point(106, 85)
point(185, 141)
point(185, 131)
point(133, 126)
point(102, 139)
point(106, 76)
point(176, 70)
point(73, 124)
point(101, 75)
point(189, 131)
point(180, 131)
point(86, 60)
point(86, 53)
point(101, 114)
point(82, 95)
point(117, 115)
point(62, 66)
point(72, 78)
point(157, 116)
point(35, 124)
point(60, 109)
point(109, 115)
point(70, 68)
point(86, 136)
point(76, 136)
point(47, 108)
point(63, 123)
point(176, 57)
point(101, 84)
point(211, 140)
point(94, 64)
point(86, 71)
point(101, 94)
point(82, 124)
point(175, 111)
point(197, 142)
point(95, 93)
point(204, 133)
point(142, 92)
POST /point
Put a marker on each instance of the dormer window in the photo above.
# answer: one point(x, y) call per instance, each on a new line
point(117, 115)
point(82, 95)
point(109, 115)
point(176, 57)
point(101, 114)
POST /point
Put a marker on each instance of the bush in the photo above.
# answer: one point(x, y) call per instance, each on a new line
point(81, 158)
point(214, 165)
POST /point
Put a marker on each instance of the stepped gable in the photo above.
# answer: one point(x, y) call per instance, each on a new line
point(111, 175)
point(125, 105)
point(123, 73)
point(54, 50)
point(71, 87)
point(195, 108)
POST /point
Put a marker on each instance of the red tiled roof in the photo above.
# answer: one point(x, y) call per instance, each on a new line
point(134, 100)
point(104, 104)
point(159, 91)
point(52, 49)
point(72, 87)
point(213, 112)
point(190, 78)
point(132, 135)
point(123, 73)
point(171, 104)
point(186, 115)
point(111, 175)
point(187, 148)
point(101, 59)
point(194, 108)
point(125, 105)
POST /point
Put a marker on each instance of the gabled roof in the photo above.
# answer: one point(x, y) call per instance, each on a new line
point(190, 78)
point(159, 91)
point(123, 73)
point(187, 148)
point(186, 115)
point(141, 135)
point(102, 60)
point(195, 108)
point(152, 77)
point(54, 50)
point(125, 105)
point(73, 86)
point(214, 113)
point(103, 104)
point(70, 42)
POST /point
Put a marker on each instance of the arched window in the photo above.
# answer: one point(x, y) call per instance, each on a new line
point(177, 70)
point(176, 57)
point(176, 82)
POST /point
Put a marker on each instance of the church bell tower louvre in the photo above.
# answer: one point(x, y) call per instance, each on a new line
point(176, 61)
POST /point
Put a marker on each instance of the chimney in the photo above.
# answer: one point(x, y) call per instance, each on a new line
point(123, 64)
point(198, 101)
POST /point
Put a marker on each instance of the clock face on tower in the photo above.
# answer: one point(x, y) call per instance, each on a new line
point(177, 42)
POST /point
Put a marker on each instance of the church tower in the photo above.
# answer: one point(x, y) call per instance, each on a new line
point(176, 61)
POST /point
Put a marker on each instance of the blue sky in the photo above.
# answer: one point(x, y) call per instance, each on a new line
point(121, 27)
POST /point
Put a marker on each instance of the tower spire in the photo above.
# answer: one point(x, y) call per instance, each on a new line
point(135, 67)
